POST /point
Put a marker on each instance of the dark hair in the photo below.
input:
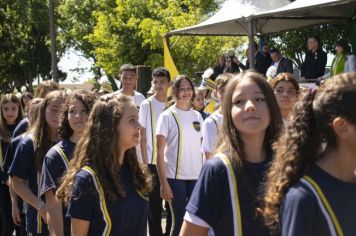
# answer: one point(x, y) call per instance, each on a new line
point(274, 50)
point(345, 45)
point(127, 67)
point(316, 38)
point(161, 72)
point(25, 94)
point(5, 133)
point(86, 98)
point(176, 84)
point(285, 76)
point(301, 143)
point(99, 149)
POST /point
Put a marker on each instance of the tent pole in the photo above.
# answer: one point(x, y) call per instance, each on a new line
point(251, 46)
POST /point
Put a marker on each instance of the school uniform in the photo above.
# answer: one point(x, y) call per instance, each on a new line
point(7, 226)
point(149, 112)
point(24, 167)
point(54, 165)
point(137, 99)
point(125, 216)
point(182, 156)
point(319, 204)
point(222, 202)
point(210, 131)
point(21, 127)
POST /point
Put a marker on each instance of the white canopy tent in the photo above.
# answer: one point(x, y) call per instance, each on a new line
point(248, 17)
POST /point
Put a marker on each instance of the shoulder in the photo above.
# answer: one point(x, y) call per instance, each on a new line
point(145, 102)
point(139, 95)
point(214, 168)
point(83, 179)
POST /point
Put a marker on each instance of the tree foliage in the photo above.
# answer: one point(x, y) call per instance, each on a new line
point(122, 31)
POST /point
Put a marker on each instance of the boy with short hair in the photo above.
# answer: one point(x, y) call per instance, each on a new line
point(150, 110)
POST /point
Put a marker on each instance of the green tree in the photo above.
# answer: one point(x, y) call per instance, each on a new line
point(24, 51)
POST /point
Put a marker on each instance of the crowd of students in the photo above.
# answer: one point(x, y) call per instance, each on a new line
point(268, 159)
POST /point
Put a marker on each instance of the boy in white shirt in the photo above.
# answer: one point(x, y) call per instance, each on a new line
point(128, 79)
point(212, 124)
point(149, 112)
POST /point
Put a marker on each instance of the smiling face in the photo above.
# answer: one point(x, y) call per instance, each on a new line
point(185, 91)
point(249, 112)
point(161, 84)
point(77, 116)
point(10, 111)
point(129, 128)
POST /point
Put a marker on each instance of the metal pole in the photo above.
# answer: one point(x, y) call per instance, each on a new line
point(251, 45)
point(52, 30)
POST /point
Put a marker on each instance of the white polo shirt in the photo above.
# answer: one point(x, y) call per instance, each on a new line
point(182, 153)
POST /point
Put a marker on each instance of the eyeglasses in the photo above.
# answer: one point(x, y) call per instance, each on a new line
point(290, 92)
point(187, 89)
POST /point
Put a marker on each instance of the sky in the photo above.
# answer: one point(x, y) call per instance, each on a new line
point(76, 66)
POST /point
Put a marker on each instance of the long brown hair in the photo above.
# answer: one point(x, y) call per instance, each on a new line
point(5, 134)
point(230, 139)
point(40, 128)
point(300, 145)
point(98, 149)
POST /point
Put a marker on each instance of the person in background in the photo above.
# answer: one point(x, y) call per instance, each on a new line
point(199, 104)
point(150, 110)
point(219, 67)
point(207, 86)
point(10, 116)
point(212, 125)
point(311, 185)
point(25, 99)
point(286, 89)
point(281, 63)
point(314, 64)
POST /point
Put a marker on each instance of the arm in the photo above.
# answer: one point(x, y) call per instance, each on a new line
point(143, 145)
point(21, 188)
point(15, 211)
point(79, 227)
point(166, 192)
point(192, 229)
point(289, 66)
point(54, 214)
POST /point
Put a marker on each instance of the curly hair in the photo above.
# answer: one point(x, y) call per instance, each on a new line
point(40, 128)
point(99, 150)
point(86, 98)
point(301, 143)
point(5, 134)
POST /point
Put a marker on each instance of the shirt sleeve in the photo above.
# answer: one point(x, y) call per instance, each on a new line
point(142, 114)
point(209, 135)
point(51, 172)
point(84, 196)
point(23, 160)
point(163, 125)
point(206, 201)
point(298, 214)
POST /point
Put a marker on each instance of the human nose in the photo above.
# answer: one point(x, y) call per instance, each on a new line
point(250, 106)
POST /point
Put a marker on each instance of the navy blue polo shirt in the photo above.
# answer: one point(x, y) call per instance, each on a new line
point(211, 201)
point(128, 215)
point(53, 168)
point(301, 214)
point(24, 167)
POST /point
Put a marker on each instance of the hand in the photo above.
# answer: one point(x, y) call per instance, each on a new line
point(166, 192)
point(16, 215)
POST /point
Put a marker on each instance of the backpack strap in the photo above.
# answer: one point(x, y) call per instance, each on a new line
point(234, 196)
point(103, 206)
point(332, 221)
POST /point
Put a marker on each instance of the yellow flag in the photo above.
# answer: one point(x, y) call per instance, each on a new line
point(168, 61)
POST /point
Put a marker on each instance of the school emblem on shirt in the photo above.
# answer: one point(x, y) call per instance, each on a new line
point(196, 125)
